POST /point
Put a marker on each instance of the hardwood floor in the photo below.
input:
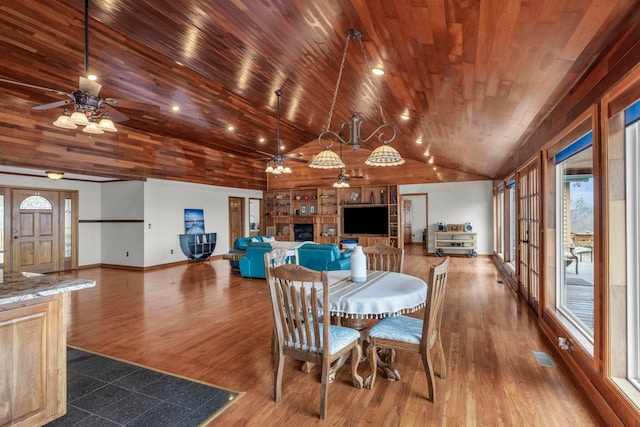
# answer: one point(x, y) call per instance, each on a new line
point(200, 321)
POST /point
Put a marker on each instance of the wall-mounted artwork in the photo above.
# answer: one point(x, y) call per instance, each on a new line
point(194, 221)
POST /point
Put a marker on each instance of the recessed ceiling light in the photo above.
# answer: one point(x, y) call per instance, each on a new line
point(92, 77)
point(175, 108)
point(230, 128)
point(405, 116)
point(377, 71)
point(418, 141)
point(261, 140)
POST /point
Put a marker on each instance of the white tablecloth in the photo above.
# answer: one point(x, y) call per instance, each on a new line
point(383, 294)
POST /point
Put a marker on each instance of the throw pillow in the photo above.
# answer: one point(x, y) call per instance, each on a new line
point(255, 240)
point(268, 239)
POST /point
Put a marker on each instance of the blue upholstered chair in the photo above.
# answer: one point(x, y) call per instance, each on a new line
point(404, 333)
point(303, 331)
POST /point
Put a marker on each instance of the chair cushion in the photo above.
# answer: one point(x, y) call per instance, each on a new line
point(339, 338)
point(398, 328)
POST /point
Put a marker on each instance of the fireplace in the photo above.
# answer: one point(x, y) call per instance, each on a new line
point(303, 232)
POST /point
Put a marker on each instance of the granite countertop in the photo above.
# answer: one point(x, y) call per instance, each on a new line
point(16, 287)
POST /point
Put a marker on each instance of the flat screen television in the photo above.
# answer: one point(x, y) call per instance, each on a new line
point(365, 220)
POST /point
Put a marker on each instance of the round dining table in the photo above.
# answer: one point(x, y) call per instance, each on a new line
point(382, 294)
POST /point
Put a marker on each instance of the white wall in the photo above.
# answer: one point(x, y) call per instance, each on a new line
point(164, 205)
point(122, 241)
point(458, 203)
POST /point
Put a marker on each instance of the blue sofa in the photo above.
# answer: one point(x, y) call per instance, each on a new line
point(323, 257)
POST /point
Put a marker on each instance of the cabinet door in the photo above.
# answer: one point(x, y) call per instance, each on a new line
point(33, 389)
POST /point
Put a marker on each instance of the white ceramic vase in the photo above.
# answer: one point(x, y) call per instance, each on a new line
point(358, 265)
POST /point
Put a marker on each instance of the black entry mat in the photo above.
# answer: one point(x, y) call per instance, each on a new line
point(107, 392)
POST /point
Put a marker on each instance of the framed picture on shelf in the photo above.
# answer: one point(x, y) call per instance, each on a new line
point(303, 209)
point(312, 209)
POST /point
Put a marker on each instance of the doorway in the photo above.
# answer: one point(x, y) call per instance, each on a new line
point(236, 219)
point(415, 207)
point(255, 215)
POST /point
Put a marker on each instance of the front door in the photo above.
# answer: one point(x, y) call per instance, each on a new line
point(236, 219)
point(35, 231)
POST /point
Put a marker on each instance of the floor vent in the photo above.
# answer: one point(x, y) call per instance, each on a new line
point(500, 282)
point(543, 359)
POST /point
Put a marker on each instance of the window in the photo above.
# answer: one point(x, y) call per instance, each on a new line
point(499, 218)
point(1, 229)
point(575, 219)
point(632, 139)
point(36, 203)
point(512, 223)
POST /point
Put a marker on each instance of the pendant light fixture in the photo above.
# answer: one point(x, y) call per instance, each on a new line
point(384, 155)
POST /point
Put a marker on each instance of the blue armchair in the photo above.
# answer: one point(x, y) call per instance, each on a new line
point(240, 246)
point(252, 263)
point(323, 257)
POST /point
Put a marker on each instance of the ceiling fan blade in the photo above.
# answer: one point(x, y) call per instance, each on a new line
point(265, 153)
point(46, 89)
point(52, 105)
point(115, 115)
point(293, 155)
point(133, 105)
point(87, 85)
point(298, 160)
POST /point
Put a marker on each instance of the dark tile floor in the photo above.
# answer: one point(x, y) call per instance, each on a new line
point(107, 392)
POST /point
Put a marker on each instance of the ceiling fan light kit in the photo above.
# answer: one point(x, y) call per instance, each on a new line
point(277, 165)
point(384, 155)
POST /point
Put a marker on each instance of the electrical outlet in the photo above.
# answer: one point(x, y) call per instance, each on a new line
point(127, 253)
point(171, 251)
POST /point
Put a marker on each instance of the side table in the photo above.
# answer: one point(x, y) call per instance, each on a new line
point(235, 257)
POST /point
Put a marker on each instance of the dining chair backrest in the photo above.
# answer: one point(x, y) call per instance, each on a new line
point(435, 303)
point(300, 302)
point(384, 258)
point(278, 256)
point(294, 296)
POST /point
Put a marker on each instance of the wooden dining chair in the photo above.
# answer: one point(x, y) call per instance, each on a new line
point(405, 333)
point(384, 258)
point(299, 297)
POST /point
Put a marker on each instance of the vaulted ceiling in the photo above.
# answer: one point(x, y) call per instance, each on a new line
point(474, 76)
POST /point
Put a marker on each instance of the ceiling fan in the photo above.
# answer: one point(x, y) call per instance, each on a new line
point(276, 164)
point(89, 109)
point(342, 180)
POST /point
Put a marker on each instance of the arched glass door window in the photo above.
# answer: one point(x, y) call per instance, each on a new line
point(35, 203)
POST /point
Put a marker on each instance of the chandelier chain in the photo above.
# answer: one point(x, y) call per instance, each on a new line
point(375, 88)
point(335, 92)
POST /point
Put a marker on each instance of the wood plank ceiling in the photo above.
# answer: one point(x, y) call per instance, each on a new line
point(476, 77)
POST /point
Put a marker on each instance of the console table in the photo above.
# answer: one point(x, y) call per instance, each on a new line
point(198, 247)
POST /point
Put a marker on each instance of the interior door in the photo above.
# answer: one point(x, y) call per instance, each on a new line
point(406, 221)
point(236, 219)
point(529, 226)
point(35, 231)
